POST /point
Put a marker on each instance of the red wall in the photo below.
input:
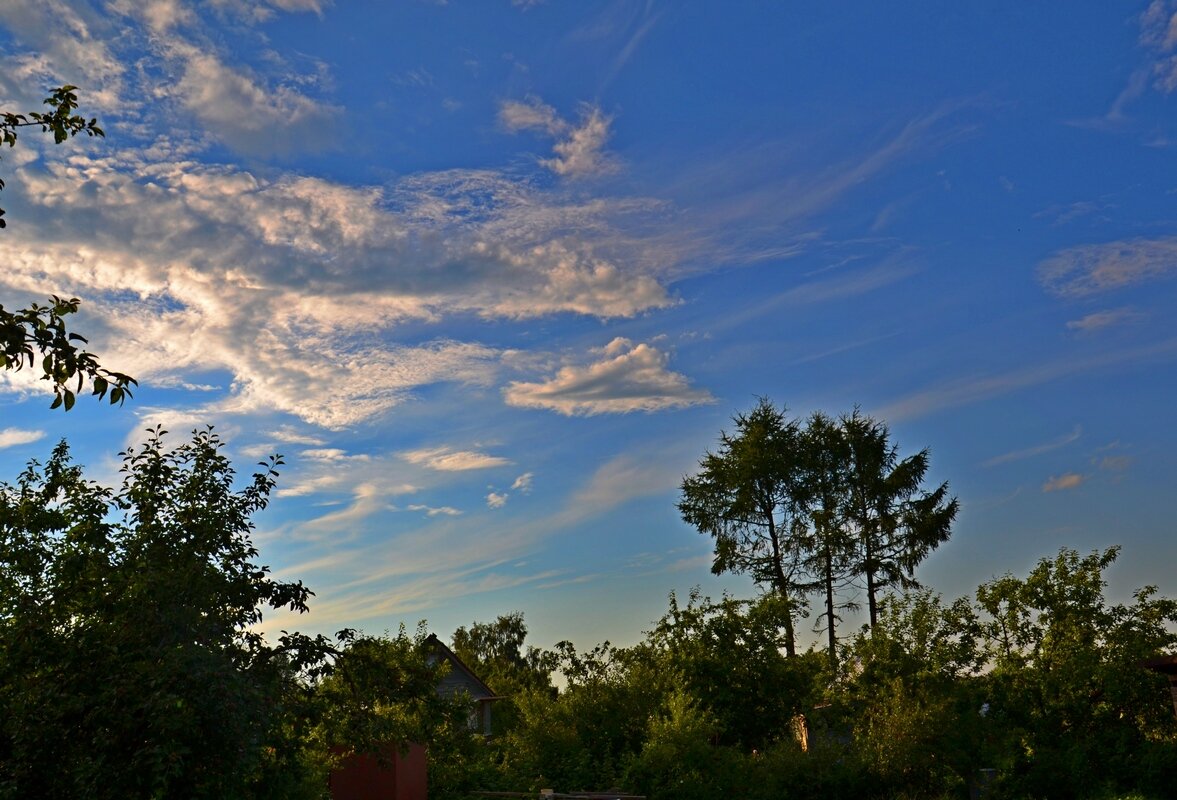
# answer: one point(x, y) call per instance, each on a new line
point(364, 778)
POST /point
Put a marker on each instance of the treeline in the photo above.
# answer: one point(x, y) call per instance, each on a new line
point(1032, 687)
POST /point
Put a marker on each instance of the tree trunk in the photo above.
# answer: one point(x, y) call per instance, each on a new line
point(790, 636)
point(870, 584)
point(829, 559)
point(870, 593)
point(782, 586)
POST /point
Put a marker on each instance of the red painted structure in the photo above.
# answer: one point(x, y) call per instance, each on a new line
point(395, 776)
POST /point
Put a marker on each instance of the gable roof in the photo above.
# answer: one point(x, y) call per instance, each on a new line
point(460, 677)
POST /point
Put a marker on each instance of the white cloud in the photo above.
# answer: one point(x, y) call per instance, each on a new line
point(11, 437)
point(579, 149)
point(627, 377)
point(312, 485)
point(368, 498)
point(175, 56)
point(264, 10)
point(522, 483)
point(333, 455)
point(1097, 268)
point(431, 511)
point(531, 113)
point(160, 15)
point(1068, 480)
point(316, 6)
point(449, 460)
point(496, 499)
point(173, 382)
point(582, 152)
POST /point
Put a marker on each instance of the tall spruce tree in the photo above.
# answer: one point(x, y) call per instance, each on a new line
point(894, 522)
point(746, 497)
point(822, 497)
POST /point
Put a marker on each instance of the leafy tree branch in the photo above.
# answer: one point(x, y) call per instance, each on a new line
point(37, 337)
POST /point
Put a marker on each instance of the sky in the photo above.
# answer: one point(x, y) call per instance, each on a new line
point(492, 275)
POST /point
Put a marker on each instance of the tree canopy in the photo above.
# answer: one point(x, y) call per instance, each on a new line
point(130, 662)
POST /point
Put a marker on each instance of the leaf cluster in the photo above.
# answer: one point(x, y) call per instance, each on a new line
point(61, 121)
point(38, 335)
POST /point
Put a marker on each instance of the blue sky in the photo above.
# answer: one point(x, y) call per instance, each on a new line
point(493, 274)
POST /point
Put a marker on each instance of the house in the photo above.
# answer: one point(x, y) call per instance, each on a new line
point(460, 678)
point(402, 774)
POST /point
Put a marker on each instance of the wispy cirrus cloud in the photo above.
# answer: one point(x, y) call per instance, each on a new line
point(291, 435)
point(960, 392)
point(1099, 320)
point(460, 555)
point(842, 286)
point(1097, 268)
point(622, 479)
point(240, 109)
point(408, 595)
point(1035, 450)
point(626, 377)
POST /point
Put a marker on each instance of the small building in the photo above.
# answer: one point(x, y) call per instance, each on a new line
point(391, 775)
point(460, 678)
point(402, 773)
